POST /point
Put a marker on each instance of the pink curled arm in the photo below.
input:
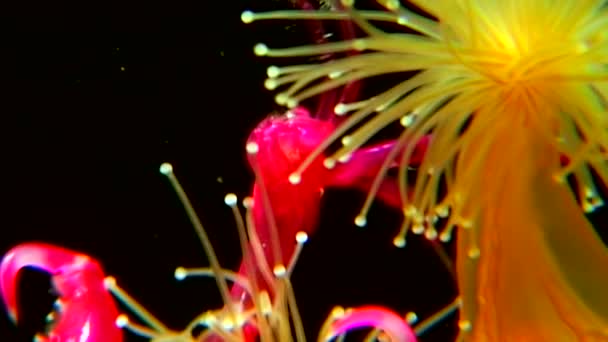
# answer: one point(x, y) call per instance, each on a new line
point(375, 317)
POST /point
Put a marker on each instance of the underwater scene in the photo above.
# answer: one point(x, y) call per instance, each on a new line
point(306, 170)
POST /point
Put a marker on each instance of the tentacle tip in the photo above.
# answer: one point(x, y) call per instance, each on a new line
point(247, 17)
point(273, 71)
point(465, 325)
point(411, 318)
point(252, 147)
point(122, 321)
point(301, 237)
point(360, 221)
point(347, 3)
point(180, 273)
point(279, 271)
point(40, 338)
point(329, 163)
point(399, 242)
point(230, 200)
point(166, 169)
point(295, 178)
point(260, 49)
point(109, 282)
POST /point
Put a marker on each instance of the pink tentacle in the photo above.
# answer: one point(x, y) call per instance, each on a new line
point(362, 168)
point(86, 313)
point(389, 322)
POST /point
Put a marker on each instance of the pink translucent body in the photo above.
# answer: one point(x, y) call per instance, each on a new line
point(283, 142)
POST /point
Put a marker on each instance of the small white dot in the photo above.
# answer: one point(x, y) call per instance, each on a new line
point(279, 270)
point(407, 120)
point(122, 321)
point(270, 84)
point(329, 163)
point(393, 5)
point(430, 234)
point(295, 178)
point(445, 237)
point(109, 282)
point(230, 200)
point(411, 318)
point(180, 273)
point(281, 99)
point(292, 103)
point(399, 241)
point(345, 158)
point(301, 237)
point(166, 168)
point(252, 147)
point(273, 71)
point(260, 49)
point(248, 202)
point(335, 74)
point(247, 17)
point(340, 109)
point(360, 221)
